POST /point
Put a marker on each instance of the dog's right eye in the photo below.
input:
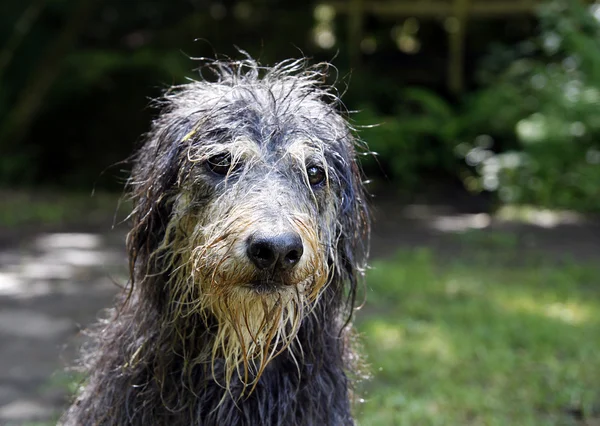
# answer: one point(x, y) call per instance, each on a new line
point(316, 175)
point(220, 164)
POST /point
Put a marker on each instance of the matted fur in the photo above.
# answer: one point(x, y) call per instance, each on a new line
point(192, 342)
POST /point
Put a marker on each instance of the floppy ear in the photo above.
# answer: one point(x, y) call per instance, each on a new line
point(353, 217)
point(152, 187)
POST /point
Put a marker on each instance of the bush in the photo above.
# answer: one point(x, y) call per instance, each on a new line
point(416, 140)
point(530, 133)
point(537, 116)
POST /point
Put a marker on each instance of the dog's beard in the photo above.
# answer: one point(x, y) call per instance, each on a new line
point(252, 326)
point(253, 329)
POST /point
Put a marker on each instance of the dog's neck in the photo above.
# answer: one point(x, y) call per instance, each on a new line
point(305, 384)
point(164, 379)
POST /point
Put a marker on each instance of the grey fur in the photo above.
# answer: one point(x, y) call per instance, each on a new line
point(158, 358)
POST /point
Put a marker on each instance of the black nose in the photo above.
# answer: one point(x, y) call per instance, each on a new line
point(282, 251)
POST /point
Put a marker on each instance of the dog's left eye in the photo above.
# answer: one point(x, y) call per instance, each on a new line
point(316, 175)
point(220, 164)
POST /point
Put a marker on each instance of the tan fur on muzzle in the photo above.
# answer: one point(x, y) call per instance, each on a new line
point(212, 277)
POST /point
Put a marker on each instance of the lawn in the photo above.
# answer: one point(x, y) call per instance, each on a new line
point(488, 341)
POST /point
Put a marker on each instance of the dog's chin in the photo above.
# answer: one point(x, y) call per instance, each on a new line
point(265, 287)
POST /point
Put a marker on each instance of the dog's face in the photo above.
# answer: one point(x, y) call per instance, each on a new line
point(251, 192)
point(260, 216)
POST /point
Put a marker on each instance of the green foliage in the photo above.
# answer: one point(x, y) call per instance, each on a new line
point(539, 106)
point(417, 139)
point(472, 343)
point(92, 112)
point(531, 132)
point(21, 209)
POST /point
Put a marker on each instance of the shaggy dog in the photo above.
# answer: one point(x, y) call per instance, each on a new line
point(247, 246)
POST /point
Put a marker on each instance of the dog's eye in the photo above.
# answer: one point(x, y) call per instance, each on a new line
point(220, 164)
point(316, 175)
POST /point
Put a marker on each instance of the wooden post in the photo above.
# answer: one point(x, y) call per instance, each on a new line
point(456, 45)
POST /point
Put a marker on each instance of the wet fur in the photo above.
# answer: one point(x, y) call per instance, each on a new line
point(187, 345)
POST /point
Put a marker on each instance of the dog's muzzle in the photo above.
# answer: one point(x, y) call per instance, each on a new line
point(274, 255)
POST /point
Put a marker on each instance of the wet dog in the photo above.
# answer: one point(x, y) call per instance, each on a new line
point(246, 249)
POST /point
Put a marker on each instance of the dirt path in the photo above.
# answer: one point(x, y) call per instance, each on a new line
point(53, 283)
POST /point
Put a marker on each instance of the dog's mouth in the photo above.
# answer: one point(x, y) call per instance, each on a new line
point(265, 286)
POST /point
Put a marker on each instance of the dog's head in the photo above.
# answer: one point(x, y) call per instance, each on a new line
point(248, 205)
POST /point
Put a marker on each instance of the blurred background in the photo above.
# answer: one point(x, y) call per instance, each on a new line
point(483, 298)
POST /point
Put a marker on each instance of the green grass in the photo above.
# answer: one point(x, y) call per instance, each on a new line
point(480, 343)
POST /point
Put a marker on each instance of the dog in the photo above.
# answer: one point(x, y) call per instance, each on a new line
point(249, 240)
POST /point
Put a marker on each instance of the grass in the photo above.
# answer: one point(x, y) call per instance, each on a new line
point(480, 343)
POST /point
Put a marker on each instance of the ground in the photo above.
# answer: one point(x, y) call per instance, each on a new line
point(58, 270)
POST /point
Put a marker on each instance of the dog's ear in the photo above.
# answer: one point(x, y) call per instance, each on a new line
point(353, 217)
point(153, 185)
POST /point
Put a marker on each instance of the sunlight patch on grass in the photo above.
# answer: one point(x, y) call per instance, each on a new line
point(570, 312)
point(389, 336)
point(437, 345)
point(457, 287)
